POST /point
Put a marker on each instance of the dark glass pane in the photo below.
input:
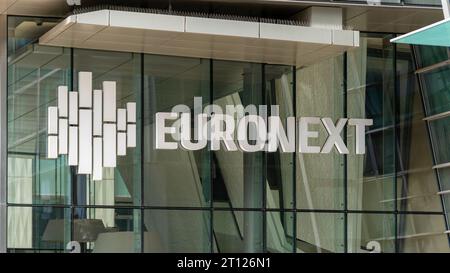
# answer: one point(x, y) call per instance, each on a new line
point(370, 94)
point(444, 177)
point(423, 2)
point(429, 55)
point(436, 90)
point(413, 139)
point(440, 130)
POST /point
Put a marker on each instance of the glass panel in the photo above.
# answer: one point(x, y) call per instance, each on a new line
point(422, 233)
point(238, 231)
point(40, 229)
point(413, 139)
point(174, 177)
point(320, 177)
point(34, 74)
point(177, 231)
point(280, 166)
point(370, 91)
point(280, 232)
point(423, 2)
point(23, 31)
point(239, 176)
point(436, 90)
point(123, 183)
point(429, 55)
point(105, 230)
point(444, 177)
point(320, 232)
point(440, 130)
point(371, 233)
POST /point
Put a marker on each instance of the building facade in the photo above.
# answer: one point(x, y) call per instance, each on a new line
point(325, 59)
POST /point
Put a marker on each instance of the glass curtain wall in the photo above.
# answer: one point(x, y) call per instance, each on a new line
point(431, 66)
point(222, 201)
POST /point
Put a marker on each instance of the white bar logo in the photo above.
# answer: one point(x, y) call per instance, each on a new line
point(87, 127)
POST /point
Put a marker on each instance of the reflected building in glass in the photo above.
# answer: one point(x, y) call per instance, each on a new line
point(392, 198)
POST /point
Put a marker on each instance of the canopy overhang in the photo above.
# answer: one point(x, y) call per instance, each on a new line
point(202, 37)
point(437, 34)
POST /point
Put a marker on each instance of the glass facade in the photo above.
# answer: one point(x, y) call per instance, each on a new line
point(222, 201)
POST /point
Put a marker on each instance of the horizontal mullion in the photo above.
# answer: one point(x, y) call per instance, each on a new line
point(432, 67)
point(437, 116)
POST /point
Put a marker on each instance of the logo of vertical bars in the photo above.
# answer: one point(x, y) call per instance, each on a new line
point(88, 128)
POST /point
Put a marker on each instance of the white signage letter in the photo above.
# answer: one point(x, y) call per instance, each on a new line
point(260, 133)
point(161, 131)
point(305, 134)
point(186, 142)
point(278, 135)
point(218, 133)
point(360, 129)
point(334, 138)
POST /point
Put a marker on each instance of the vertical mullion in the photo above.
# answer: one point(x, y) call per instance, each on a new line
point(4, 109)
point(396, 123)
point(210, 159)
point(294, 163)
point(71, 168)
point(263, 163)
point(141, 202)
point(345, 112)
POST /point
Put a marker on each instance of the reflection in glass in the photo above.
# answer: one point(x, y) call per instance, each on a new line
point(368, 231)
point(103, 230)
point(320, 177)
point(119, 185)
point(429, 55)
point(38, 229)
point(422, 233)
point(174, 177)
point(370, 94)
point(320, 232)
point(413, 139)
point(177, 231)
point(440, 130)
point(240, 174)
point(280, 166)
point(233, 235)
point(34, 74)
point(189, 194)
point(280, 232)
point(436, 88)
